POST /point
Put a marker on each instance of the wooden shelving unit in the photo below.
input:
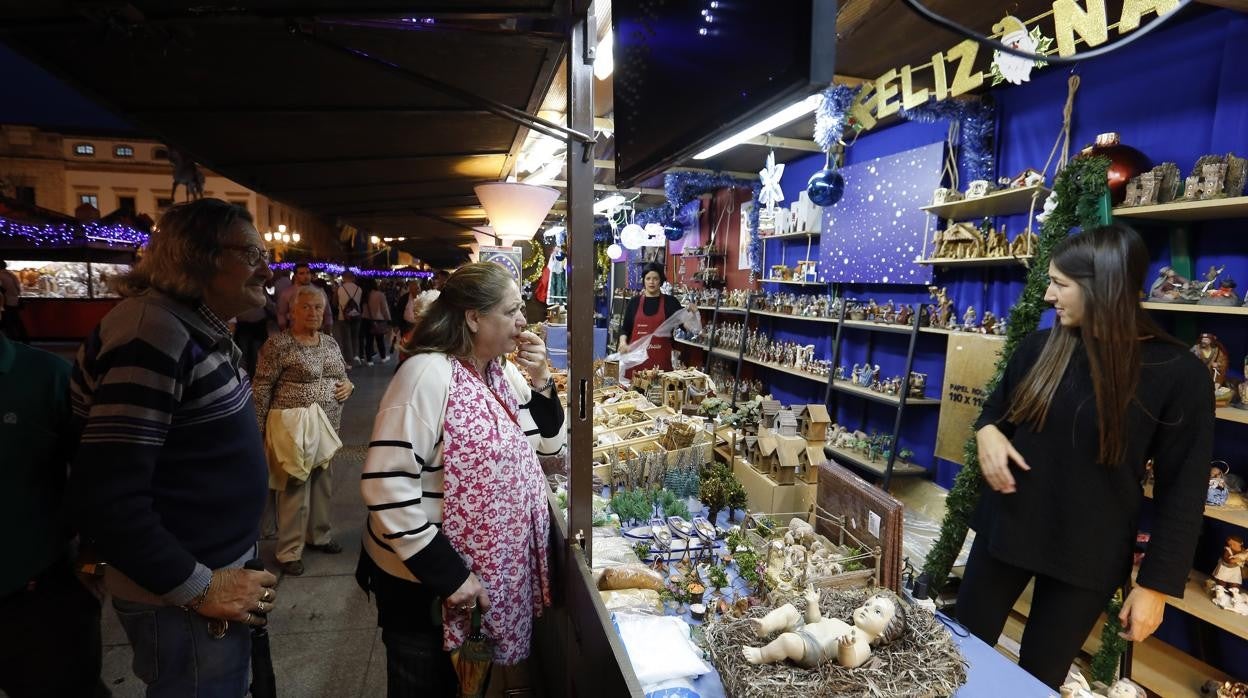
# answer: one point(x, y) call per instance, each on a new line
point(1024, 260)
point(789, 236)
point(998, 203)
point(786, 369)
point(1178, 211)
point(794, 283)
point(1232, 414)
point(849, 388)
point(790, 316)
point(1194, 308)
point(1232, 515)
point(856, 459)
point(877, 326)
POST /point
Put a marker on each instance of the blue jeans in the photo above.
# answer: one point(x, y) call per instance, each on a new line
point(175, 655)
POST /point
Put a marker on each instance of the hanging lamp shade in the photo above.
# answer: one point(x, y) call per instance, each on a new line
point(515, 210)
point(484, 235)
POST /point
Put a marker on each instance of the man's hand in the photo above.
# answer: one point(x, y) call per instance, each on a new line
point(240, 595)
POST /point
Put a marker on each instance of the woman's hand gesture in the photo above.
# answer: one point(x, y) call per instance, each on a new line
point(995, 454)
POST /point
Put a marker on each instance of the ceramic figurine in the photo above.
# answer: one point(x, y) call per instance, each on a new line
point(1217, 492)
point(1125, 688)
point(1075, 686)
point(989, 323)
point(809, 639)
point(1230, 569)
point(968, 319)
point(1212, 354)
point(1170, 287)
point(904, 315)
point(1223, 295)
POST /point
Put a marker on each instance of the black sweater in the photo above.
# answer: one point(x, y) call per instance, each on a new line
point(1075, 520)
point(652, 306)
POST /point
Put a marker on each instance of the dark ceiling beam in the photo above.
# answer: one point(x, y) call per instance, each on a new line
point(342, 186)
point(449, 200)
point(313, 109)
point(126, 15)
point(356, 158)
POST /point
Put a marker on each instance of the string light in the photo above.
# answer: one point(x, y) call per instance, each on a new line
point(66, 234)
point(338, 270)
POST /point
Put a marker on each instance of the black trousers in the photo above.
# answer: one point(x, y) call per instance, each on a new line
point(50, 645)
point(1061, 615)
point(411, 629)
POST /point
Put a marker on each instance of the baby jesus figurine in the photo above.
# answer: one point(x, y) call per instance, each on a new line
point(811, 640)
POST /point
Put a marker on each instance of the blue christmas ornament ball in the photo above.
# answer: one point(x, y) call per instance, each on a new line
point(826, 187)
point(673, 232)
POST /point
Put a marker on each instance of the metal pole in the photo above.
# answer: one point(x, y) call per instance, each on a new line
point(902, 396)
point(580, 167)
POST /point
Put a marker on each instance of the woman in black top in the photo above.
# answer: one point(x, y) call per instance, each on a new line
point(1063, 443)
point(642, 316)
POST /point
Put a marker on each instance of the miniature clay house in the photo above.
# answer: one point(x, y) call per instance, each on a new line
point(764, 453)
point(788, 459)
point(812, 457)
point(769, 408)
point(786, 423)
point(813, 421)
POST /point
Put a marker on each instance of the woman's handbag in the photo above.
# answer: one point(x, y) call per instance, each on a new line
point(379, 327)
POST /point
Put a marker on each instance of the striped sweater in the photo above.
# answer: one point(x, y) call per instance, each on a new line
point(402, 478)
point(169, 478)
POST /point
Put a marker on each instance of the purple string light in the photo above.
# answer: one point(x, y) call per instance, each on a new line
point(69, 234)
point(338, 269)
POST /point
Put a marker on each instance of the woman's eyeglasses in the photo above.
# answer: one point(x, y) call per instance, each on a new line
point(251, 255)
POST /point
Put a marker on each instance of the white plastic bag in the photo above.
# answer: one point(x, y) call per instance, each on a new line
point(635, 353)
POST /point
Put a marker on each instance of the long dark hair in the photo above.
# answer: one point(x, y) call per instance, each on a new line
point(444, 328)
point(1109, 265)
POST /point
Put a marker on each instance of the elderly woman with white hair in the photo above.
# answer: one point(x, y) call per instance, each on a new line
point(299, 387)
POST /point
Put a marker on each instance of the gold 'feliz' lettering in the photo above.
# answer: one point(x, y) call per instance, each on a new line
point(886, 89)
point(1070, 19)
point(938, 75)
point(909, 98)
point(963, 79)
point(1133, 10)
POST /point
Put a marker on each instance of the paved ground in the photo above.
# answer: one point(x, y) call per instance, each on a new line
point(324, 630)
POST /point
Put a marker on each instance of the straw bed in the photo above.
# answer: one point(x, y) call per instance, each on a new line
point(923, 663)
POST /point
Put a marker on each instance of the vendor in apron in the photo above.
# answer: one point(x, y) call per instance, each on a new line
point(642, 316)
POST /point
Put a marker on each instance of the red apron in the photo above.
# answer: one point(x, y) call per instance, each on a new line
point(660, 351)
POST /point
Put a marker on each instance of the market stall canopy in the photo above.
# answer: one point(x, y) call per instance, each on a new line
point(277, 96)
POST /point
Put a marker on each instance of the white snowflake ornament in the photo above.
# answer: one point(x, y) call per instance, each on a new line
point(770, 193)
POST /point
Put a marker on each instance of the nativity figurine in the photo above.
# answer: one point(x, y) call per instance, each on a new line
point(809, 640)
point(1230, 569)
point(1212, 353)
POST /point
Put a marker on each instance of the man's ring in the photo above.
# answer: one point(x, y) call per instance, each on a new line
point(471, 607)
point(249, 618)
point(267, 595)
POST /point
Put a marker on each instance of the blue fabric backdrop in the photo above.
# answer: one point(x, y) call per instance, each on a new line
point(1176, 95)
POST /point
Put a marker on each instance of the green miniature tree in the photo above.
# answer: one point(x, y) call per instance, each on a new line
point(737, 498)
point(717, 576)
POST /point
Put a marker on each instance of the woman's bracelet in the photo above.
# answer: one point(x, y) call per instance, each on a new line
point(550, 383)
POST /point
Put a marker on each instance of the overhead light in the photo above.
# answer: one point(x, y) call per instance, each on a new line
point(485, 235)
point(294, 236)
point(615, 252)
point(281, 228)
point(555, 230)
point(375, 240)
point(515, 210)
point(604, 62)
point(268, 237)
point(286, 237)
point(608, 203)
point(545, 173)
point(633, 236)
point(387, 239)
point(787, 115)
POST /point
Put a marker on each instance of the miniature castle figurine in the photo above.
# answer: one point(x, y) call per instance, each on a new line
point(809, 639)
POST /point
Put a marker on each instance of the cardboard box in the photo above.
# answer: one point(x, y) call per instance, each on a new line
point(769, 497)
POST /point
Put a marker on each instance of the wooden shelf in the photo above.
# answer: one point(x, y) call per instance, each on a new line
point(851, 389)
point(687, 343)
point(1024, 260)
point(938, 330)
point(1235, 207)
point(788, 236)
point(731, 310)
point(1194, 308)
point(794, 283)
point(857, 460)
point(790, 316)
point(1232, 414)
point(1197, 602)
point(1232, 515)
point(999, 203)
point(878, 326)
point(788, 369)
point(701, 255)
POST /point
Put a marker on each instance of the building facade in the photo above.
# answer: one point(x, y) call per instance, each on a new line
point(62, 171)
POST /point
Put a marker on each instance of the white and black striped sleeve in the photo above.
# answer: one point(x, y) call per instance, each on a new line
point(401, 481)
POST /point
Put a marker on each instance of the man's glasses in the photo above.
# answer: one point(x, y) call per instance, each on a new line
point(251, 255)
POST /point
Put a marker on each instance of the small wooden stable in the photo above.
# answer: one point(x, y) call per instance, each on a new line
point(677, 386)
point(813, 421)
